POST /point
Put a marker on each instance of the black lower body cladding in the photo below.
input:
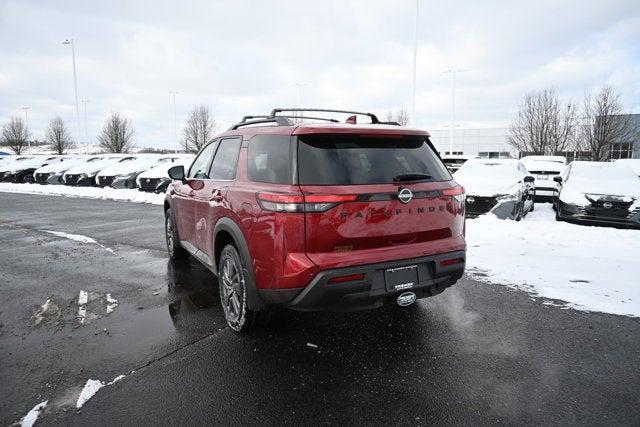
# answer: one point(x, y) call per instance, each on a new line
point(371, 291)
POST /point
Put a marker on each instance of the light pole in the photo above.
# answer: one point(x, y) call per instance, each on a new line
point(75, 83)
point(415, 64)
point(298, 87)
point(453, 72)
point(86, 134)
point(26, 121)
point(175, 122)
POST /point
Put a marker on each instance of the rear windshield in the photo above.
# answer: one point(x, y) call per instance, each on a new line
point(352, 160)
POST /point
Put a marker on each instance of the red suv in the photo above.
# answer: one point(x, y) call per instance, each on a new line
point(318, 215)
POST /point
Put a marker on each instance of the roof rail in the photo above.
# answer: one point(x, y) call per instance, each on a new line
point(280, 121)
point(245, 118)
point(275, 111)
point(312, 118)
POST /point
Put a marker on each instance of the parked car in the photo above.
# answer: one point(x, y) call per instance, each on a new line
point(315, 216)
point(84, 174)
point(53, 173)
point(500, 186)
point(157, 178)
point(598, 193)
point(21, 169)
point(543, 169)
point(634, 164)
point(454, 162)
point(124, 174)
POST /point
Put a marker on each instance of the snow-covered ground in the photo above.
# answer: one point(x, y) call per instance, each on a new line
point(88, 192)
point(588, 268)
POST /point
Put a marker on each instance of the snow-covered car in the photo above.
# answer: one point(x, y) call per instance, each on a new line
point(500, 186)
point(598, 193)
point(124, 174)
point(21, 169)
point(454, 162)
point(85, 173)
point(157, 179)
point(634, 164)
point(53, 173)
point(543, 169)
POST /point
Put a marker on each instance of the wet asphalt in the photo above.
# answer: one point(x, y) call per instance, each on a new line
point(477, 354)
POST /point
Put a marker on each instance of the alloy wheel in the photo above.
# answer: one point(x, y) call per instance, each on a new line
point(232, 291)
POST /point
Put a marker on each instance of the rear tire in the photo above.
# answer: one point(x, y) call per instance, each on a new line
point(175, 250)
point(233, 291)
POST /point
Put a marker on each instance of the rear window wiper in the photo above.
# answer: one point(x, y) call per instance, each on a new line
point(411, 177)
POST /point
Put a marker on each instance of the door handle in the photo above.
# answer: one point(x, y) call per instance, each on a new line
point(190, 193)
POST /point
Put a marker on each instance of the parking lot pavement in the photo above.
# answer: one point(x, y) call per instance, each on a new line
point(478, 353)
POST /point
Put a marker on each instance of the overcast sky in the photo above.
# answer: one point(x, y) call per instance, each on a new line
point(244, 57)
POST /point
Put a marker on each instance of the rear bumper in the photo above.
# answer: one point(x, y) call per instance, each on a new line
point(370, 292)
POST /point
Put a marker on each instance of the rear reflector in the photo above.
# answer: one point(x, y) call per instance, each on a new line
point(349, 278)
point(452, 261)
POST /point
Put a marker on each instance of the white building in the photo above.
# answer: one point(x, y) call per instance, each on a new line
point(488, 142)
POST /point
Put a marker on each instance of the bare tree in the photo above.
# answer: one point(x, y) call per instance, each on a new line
point(117, 134)
point(606, 123)
point(15, 135)
point(58, 136)
point(199, 129)
point(543, 125)
point(401, 117)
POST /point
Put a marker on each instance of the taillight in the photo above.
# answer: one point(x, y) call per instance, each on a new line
point(456, 202)
point(455, 192)
point(278, 202)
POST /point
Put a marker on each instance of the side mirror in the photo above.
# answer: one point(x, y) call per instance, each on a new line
point(529, 178)
point(557, 179)
point(177, 173)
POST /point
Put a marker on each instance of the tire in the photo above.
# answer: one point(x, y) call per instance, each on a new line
point(557, 209)
point(175, 250)
point(27, 179)
point(233, 291)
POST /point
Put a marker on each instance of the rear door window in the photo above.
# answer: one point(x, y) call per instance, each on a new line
point(270, 159)
point(353, 160)
point(226, 159)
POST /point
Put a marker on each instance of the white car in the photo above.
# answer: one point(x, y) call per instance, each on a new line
point(52, 173)
point(598, 193)
point(157, 179)
point(124, 174)
point(21, 169)
point(634, 164)
point(543, 169)
point(84, 174)
point(500, 186)
point(454, 162)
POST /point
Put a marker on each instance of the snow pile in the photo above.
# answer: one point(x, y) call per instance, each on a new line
point(79, 238)
point(88, 192)
point(590, 268)
point(91, 387)
point(32, 415)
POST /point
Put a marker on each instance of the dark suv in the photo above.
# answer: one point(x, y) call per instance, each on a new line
point(318, 216)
